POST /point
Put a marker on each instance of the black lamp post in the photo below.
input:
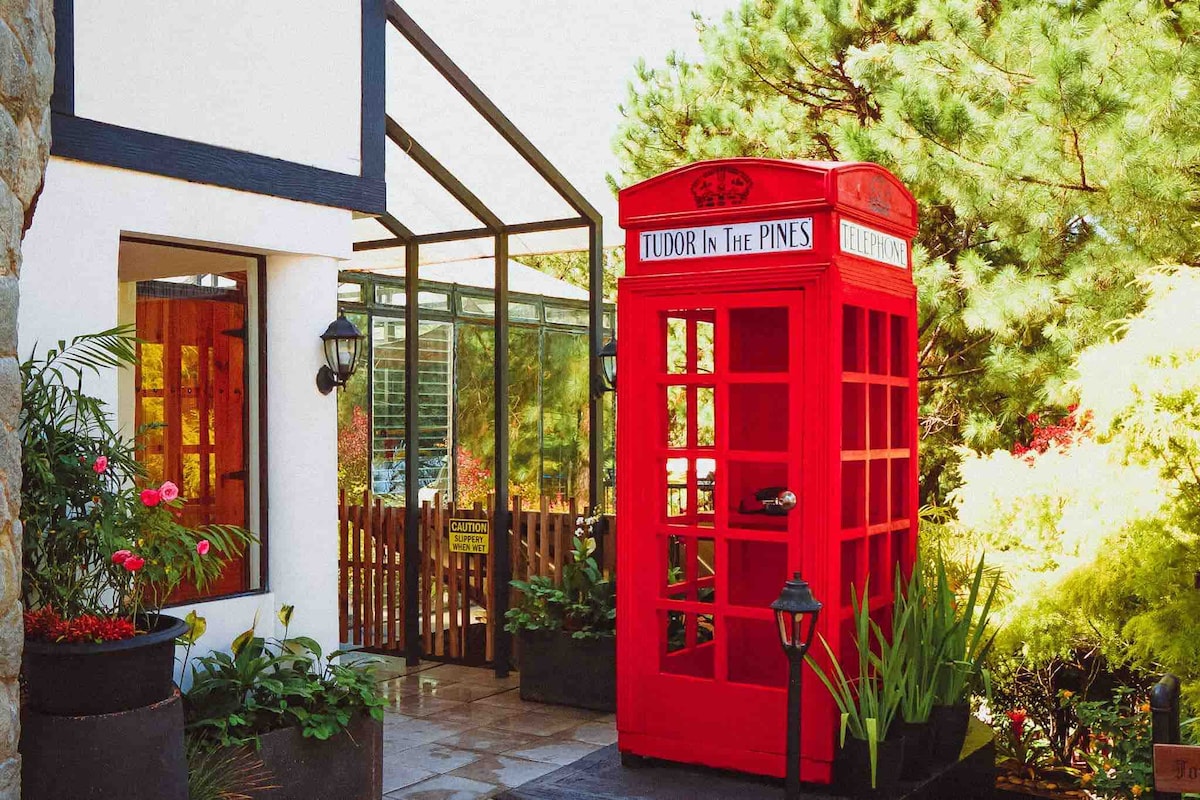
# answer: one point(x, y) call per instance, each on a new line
point(607, 379)
point(796, 613)
point(341, 340)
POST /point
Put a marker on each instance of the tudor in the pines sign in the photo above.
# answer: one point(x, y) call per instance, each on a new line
point(742, 238)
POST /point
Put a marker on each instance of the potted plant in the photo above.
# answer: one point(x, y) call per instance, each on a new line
point(567, 634)
point(924, 663)
point(872, 757)
point(315, 724)
point(959, 631)
point(102, 550)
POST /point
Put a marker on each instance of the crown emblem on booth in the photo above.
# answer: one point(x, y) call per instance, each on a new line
point(879, 195)
point(721, 186)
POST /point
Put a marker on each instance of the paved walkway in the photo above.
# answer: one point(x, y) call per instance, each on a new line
point(458, 733)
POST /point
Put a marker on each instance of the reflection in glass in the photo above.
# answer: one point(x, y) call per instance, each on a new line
point(704, 347)
point(677, 416)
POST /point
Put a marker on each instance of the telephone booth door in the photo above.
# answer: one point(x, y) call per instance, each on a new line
point(720, 391)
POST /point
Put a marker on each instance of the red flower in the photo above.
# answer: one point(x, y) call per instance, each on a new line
point(1016, 719)
point(100, 464)
point(202, 547)
point(134, 563)
point(150, 497)
point(120, 556)
point(46, 625)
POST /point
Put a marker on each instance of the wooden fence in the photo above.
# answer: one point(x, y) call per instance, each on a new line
point(455, 590)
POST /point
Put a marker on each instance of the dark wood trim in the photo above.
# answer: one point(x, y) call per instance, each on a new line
point(203, 248)
point(114, 146)
point(63, 99)
point(374, 89)
point(264, 516)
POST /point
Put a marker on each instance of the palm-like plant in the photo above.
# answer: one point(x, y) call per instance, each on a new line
point(960, 632)
point(868, 703)
point(924, 649)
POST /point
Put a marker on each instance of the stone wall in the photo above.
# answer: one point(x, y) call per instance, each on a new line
point(26, 81)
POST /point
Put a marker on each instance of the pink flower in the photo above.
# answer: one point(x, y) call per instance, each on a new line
point(134, 563)
point(151, 497)
point(100, 464)
point(121, 556)
point(202, 547)
point(168, 491)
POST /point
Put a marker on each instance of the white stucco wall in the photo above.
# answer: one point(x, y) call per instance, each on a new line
point(276, 77)
point(70, 286)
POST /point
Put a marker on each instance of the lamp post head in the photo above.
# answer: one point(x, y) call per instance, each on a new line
point(794, 607)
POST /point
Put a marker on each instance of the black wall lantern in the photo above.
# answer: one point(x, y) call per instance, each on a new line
point(606, 381)
point(796, 613)
point(341, 340)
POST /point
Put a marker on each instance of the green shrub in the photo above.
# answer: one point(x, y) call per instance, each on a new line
point(1099, 537)
point(585, 604)
point(263, 685)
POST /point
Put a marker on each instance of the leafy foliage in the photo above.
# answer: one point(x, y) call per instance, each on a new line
point(1099, 538)
point(265, 684)
point(1053, 149)
point(585, 604)
point(80, 503)
point(1119, 749)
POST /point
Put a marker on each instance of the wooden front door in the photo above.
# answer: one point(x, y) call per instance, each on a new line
point(191, 385)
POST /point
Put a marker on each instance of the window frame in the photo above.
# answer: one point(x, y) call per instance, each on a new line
point(256, 423)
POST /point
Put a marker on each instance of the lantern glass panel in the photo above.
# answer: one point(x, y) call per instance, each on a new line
point(783, 620)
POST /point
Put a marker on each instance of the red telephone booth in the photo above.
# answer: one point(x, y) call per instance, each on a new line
point(768, 326)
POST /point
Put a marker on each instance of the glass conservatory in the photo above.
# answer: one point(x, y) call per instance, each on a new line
point(548, 374)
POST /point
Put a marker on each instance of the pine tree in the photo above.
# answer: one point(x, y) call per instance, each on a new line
point(1054, 148)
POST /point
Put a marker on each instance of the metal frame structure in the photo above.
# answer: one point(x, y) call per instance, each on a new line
point(493, 227)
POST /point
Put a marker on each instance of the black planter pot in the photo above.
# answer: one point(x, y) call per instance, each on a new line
point(852, 767)
point(949, 731)
point(86, 679)
point(556, 668)
point(348, 766)
point(127, 755)
point(918, 748)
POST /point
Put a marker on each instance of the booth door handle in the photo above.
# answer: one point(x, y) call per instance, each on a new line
point(774, 500)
